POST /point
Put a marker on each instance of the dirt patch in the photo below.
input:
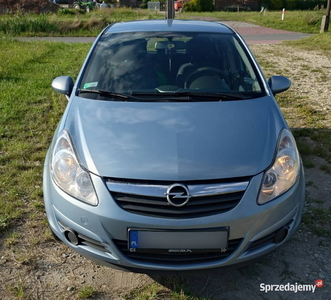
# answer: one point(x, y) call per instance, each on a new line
point(35, 266)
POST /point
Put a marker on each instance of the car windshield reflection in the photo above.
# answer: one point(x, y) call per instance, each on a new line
point(166, 62)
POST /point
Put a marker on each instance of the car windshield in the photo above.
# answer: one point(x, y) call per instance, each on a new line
point(155, 65)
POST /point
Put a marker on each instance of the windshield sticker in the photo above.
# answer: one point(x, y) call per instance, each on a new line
point(90, 85)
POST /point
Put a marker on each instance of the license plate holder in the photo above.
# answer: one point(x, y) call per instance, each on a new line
point(174, 241)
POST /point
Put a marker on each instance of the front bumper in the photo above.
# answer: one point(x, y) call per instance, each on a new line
point(101, 232)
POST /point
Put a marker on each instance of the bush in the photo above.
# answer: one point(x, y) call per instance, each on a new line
point(273, 4)
point(30, 6)
point(276, 4)
point(199, 5)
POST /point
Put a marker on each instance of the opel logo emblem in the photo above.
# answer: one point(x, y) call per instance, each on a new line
point(177, 195)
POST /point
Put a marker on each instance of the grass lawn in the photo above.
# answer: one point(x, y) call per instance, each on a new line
point(320, 41)
point(30, 111)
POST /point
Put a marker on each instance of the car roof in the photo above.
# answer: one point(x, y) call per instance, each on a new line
point(169, 25)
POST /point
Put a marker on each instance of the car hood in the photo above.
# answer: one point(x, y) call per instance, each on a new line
point(174, 140)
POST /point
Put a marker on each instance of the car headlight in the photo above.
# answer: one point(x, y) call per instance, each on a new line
point(285, 170)
point(67, 172)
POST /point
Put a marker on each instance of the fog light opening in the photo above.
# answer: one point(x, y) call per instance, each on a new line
point(281, 235)
point(71, 236)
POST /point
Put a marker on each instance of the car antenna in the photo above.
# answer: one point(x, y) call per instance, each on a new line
point(170, 12)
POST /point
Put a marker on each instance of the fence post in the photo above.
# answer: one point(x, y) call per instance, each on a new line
point(326, 18)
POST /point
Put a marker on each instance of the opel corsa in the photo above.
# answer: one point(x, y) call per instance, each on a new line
point(172, 154)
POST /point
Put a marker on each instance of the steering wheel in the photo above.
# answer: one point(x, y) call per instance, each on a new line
point(201, 72)
point(242, 79)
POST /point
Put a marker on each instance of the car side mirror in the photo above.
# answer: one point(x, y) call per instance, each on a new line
point(279, 84)
point(63, 85)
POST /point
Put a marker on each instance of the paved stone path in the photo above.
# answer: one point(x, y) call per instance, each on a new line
point(254, 34)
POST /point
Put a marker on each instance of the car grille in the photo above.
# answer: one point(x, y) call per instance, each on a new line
point(176, 258)
point(150, 199)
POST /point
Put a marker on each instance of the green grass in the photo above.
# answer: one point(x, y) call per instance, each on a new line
point(299, 21)
point(30, 111)
point(17, 24)
point(318, 221)
point(86, 292)
point(18, 290)
point(322, 144)
point(73, 24)
point(319, 41)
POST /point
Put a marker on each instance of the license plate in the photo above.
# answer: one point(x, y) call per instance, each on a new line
point(214, 240)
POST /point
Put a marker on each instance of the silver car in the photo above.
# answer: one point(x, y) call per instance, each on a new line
point(172, 154)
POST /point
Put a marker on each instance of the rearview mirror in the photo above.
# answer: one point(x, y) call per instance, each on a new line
point(279, 84)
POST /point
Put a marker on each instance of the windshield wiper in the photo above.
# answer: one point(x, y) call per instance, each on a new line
point(166, 96)
point(216, 96)
point(106, 94)
point(189, 95)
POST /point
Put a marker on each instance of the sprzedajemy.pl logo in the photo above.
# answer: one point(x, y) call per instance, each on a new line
point(291, 287)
